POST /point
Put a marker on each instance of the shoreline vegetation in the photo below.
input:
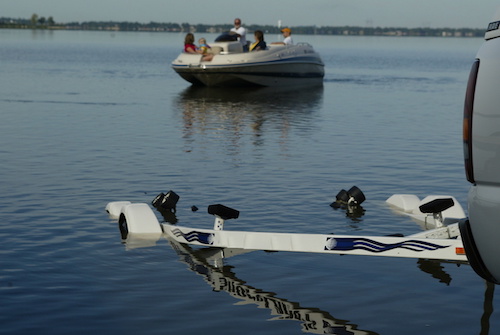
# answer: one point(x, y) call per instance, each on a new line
point(42, 23)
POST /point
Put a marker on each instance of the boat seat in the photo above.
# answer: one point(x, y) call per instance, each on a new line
point(437, 205)
point(223, 212)
point(215, 50)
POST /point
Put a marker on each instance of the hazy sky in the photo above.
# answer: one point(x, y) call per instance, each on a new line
point(382, 13)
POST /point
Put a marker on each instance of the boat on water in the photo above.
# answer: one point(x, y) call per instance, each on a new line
point(278, 65)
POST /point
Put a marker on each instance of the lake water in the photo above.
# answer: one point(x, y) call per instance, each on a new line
point(93, 117)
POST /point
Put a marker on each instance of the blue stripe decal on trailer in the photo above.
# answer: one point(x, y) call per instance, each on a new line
point(204, 238)
point(346, 244)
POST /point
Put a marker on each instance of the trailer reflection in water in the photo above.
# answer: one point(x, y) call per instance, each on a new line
point(313, 320)
point(221, 278)
point(208, 262)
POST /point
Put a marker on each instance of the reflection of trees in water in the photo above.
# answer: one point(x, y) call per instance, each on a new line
point(229, 114)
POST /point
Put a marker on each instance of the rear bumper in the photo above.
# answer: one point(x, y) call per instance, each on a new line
point(481, 234)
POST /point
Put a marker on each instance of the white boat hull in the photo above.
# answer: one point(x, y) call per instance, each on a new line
point(280, 65)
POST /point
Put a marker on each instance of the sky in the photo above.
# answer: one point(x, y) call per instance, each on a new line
point(364, 13)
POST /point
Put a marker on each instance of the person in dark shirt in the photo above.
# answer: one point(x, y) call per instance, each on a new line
point(259, 43)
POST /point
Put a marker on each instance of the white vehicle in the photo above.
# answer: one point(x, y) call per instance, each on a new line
point(481, 131)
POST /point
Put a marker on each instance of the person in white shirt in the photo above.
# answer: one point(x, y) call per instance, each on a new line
point(287, 33)
point(241, 32)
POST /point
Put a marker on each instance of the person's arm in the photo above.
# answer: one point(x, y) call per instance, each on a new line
point(193, 51)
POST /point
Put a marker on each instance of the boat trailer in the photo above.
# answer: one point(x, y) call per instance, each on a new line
point(437, 215)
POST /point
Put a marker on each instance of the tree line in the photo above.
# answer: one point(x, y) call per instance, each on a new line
point(41, 22)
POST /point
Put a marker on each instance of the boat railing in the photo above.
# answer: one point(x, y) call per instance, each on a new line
point(288, 46)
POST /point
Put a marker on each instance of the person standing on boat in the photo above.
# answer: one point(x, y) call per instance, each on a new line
point(241, 32)
point(259, 43)
point(287, 34)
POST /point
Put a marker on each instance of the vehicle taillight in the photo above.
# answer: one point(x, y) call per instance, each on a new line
point(467, 126)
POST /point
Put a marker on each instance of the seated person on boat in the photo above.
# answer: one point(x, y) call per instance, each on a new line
point(189, 47)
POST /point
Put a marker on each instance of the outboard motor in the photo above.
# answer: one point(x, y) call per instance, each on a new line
point(352, 198)
point(481, 131)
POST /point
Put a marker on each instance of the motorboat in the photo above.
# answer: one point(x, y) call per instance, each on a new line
point(278, 65)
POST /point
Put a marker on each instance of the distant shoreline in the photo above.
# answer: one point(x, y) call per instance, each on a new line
point(49, 24)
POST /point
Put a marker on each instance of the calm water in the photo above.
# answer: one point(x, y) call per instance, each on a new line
point(93, 117)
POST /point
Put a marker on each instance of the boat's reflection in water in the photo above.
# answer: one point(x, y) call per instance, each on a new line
point(266, 99)
point(222, 278)
point(240, 111)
